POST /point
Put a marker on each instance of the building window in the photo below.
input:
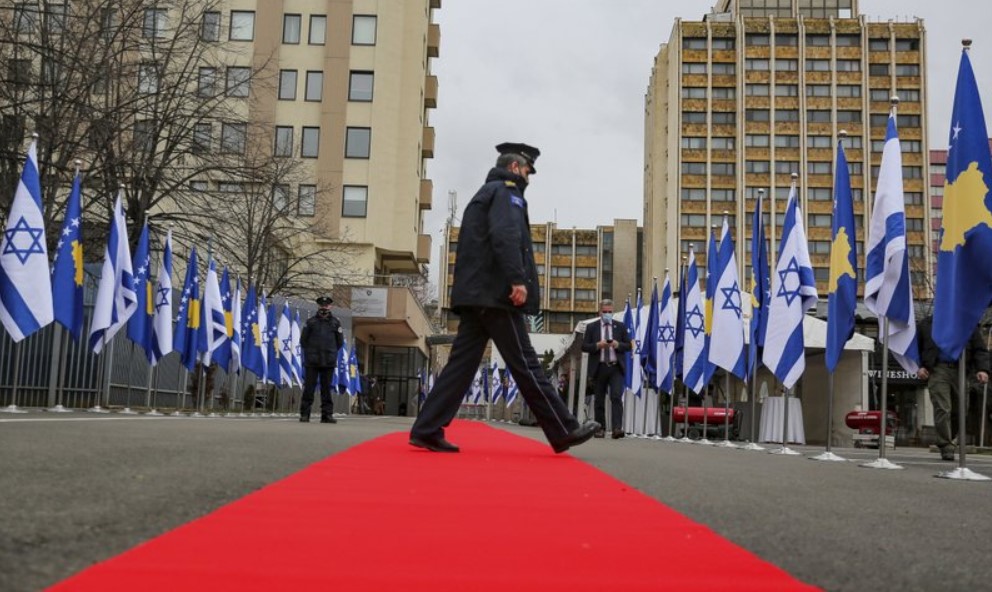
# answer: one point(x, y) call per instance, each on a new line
point(907, 69)
point(585, 272)
point(230, 187)
point(25, 16)
point(143, 136)
point(757, 166)
point(757, 90)
point(757, 115)
point(818, 116)
point(908, 95)
point(585, 295)
point(879, 44)
point(355, 202)
point(847, 40)
point(310, 144)
point(585, 251)
point(879, 94)
point(786, 141)
point(723, 43)
point(360, 86)
point(848, 65)
point(820, 220)
point(287, 85)
point(787, 115)
point(820, 194)
point(148, 79)
point(308, 201)
point(693, 168)
point(156, 23)
point(539, 247)
point(851, 142)
point(723, 168)
point(284, 141)
point(817, 65)
point(693, 194)
point(693, 68)
point(819, 247)
point(315, 85)
point(198, 186)
point(786, 90)
point(724, 92)
point(238, 78)
point(878, 69)
point(907, 44)
point(818, 40)
point(914, 224)
point(908, 121)
point(694, 43)
point(692, 143)
point(318, 29)
point(560, 294)
point(722, 195)
point(908, 146)
point(210, 26)
point(358, 142)
point(849, 117)
point(693, 92)
point(751, 64)
point(756, 141)
point(280, 197)
point(848, 90)
point(786, 65)
point(722, 143)
point(561, 272)
point(818, 168)
point(724, 68)
point(757, 40)
point(782, 39)
point(242, 25)
point(291, 24)
point(363, 29)
point(912, 172)
point(818, 90)
point(724, 118)
point(693, 117)
point(786, 167)
point(693, 220)
point(202, 138)
point(207, 82)
point(232, 137)
point(855, 168)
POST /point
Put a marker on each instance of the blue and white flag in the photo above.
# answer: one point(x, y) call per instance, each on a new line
point(252, 350)
point(709, 296)
point(139, 327)
point(284, 342)
point(496, 385)
point(665, 339)
point(476, 390)
point(649, 353)
point(964, 273)
point(273, 369)
point(727, 349)
point(264, 344)
point(232, 309)
point(115, 297)
point(760, 294)
point(630, 356)
point(25, 279)
point(354, 377)
point(67, 275)
point(793, 293)
point(842, 289)
point(340, 379)
point(214, 328)
point(695, 330)
point(512, 390)
point(297, 351)
point(162, 298)
point(888, 292)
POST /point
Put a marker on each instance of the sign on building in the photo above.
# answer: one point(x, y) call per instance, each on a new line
point(369, 302)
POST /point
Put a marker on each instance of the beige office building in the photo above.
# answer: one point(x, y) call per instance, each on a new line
point(576, 268)
point(760, 89)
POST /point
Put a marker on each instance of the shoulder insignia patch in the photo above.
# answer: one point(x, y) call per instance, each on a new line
point(517, 201)
point(510, 183)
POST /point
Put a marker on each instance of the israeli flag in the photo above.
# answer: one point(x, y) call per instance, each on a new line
point(162, 299)
point(665, 340)
point(297, 351)
point(793, 293)
point(727, 349)
point(25, 280)
point(695, 330)
point(888, 292)
point(116, 300)
point(214, 321)
point(497, 385)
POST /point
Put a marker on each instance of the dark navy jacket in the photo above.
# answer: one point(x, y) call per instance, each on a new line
point(494, 247)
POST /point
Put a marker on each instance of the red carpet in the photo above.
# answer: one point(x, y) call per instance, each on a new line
point(504, 515)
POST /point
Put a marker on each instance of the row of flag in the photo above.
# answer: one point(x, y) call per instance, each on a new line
point(706, 331)
point(214, 326)
point(488, 386)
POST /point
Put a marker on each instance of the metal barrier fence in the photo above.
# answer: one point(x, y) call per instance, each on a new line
point(51, 367)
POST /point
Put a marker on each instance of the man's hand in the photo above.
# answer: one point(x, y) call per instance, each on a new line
point(614, 343)
point(983, 376)
point(923, 373)
point(518, 294)
point(602, 343)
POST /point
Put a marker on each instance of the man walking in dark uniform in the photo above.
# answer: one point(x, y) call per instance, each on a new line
point(607, 342)
point(941, 375)
point(320, 339)
point(495, 284)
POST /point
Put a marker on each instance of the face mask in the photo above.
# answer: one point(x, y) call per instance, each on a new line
point(607, 317)
point(323, 313)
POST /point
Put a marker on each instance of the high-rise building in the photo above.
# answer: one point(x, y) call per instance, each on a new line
point(761, 89)
point(576, 269)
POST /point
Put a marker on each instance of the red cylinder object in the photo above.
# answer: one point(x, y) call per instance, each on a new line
point(867, 421)
point(713, 414)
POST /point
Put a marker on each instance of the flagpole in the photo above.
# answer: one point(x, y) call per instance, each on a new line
point(180, 391)
point(881, 462)
point(127, 402)
point(726, 443)
point(105, 394)
point(985, 398)
point(13, 408)
point(828, 455)
point(63, 355)
point(753, 443)
point(962, 473)
point(755, 366)
point(785, 450)
point(53, 371)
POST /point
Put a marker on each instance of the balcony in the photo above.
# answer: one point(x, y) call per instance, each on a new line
point(427, 147)
point(433, 40)
point(423, 248)
point(426, 194)
point(430, 92)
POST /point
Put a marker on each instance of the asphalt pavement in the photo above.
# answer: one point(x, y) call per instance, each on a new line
point(78, 488)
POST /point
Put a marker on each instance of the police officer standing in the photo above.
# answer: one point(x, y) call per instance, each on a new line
point(320, 339)
point(495, 284)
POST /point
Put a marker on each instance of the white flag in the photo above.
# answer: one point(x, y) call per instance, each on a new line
point(727, 341)
point(115, 297)
point(694, 363)
point(162, 298)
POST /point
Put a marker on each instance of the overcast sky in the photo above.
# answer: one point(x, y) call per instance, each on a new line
point(569, 77)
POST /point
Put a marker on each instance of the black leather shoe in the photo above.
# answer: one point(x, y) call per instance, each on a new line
point(947, 453)
point(328, 420)
point(600, 433)
point(617, 434)
point(435, 444)
point(577, 436)
point(305, 419)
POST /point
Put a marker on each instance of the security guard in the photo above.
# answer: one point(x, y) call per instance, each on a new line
point(320, 339)
point(495, 284)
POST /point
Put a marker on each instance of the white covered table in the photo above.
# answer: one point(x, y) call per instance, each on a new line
point(772, 415)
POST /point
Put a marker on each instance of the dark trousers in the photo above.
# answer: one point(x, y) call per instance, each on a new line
point(310, 376)
point(509, 333)
point(609, 377)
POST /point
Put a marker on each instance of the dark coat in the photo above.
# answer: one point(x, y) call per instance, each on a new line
point(320, 340)
point(978, 354)
point(594, 332)
point(494, 248)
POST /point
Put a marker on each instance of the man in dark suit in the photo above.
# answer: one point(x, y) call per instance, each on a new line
point(607, 342)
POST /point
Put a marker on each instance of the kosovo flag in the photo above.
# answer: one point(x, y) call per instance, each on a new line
point(759, 285)
point(712, 274)
point(67, 276)
point(251, 346)
point(964, 276)
point(842, 290)
point(185, 339)
point(139, 326)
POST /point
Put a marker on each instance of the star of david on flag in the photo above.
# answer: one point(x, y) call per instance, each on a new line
point(695, 330)
point(727, 349)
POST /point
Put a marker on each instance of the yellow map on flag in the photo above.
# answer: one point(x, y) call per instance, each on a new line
point(964, 207)
point(840, 262)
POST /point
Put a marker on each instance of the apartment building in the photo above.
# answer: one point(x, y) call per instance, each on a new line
point(759, 90)
point(576, 269)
